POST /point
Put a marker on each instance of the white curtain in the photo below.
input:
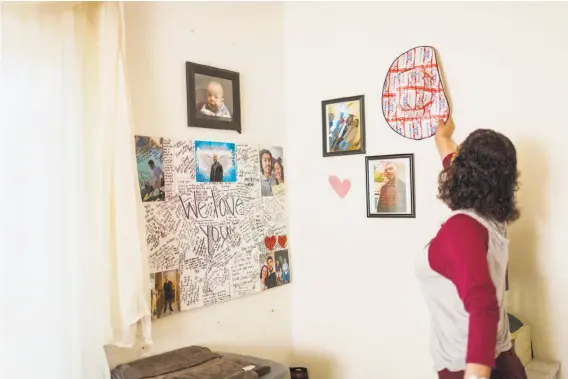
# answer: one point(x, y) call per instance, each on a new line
point(73, 272)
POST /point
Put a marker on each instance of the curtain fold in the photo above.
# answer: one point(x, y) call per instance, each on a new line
point(73, 270)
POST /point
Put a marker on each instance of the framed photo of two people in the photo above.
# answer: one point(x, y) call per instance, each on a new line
point(343, 126)
point(390, 186)
point(213, 97)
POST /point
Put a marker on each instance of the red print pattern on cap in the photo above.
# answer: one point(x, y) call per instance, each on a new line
point(413, 94)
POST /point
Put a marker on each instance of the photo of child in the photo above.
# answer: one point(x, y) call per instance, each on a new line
point(213, 97)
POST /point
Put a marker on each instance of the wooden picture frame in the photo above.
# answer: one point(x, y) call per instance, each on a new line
point(399, 197)
point(213, 97)
point(339, 118)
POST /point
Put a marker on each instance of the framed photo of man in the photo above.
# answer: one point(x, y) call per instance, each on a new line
point(213, 97)
point(343, 126)
point(390, 185)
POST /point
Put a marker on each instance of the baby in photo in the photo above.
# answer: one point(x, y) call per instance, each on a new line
point(215, 105)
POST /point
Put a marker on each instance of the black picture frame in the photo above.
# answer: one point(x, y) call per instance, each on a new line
point(199, 120)
point(409, 187)
point(326, 151)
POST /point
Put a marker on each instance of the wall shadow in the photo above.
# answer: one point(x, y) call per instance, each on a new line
point(527, 296)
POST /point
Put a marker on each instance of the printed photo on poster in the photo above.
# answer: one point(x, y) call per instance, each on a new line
point(390, 185)
point(165, 293)
point(274, 269)
point(213, 97)
point(267, 272)
point(215, 162)
point(150, 168)
point(282, 264)
point(272, 178)
point(343, 126)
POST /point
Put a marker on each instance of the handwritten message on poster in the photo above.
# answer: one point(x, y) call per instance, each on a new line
point(213, 224)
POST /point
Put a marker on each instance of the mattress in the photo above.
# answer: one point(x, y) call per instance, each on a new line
point(277, 370)
point(200, 362)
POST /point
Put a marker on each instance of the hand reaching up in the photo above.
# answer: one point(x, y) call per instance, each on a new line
point(444, 142)
point(445, 129)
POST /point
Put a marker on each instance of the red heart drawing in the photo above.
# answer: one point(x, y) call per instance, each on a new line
point(340, 187)
point(282, 241)
point(270, 242)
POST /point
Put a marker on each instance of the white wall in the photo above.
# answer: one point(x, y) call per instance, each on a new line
point(354, 310)
point(246, 38)
point(357, 310)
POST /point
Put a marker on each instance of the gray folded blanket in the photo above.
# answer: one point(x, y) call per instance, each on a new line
point(194, 362)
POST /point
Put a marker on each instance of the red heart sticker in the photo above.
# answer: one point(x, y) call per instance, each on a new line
point(270, 242)
point(282, 241)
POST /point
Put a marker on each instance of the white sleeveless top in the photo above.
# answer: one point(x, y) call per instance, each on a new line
point(448, 317)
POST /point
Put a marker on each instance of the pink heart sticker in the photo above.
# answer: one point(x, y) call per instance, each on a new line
point(341, 187)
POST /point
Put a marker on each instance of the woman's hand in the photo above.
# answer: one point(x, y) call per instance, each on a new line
point(444, 142)
point(477, 371)
point(445, 129)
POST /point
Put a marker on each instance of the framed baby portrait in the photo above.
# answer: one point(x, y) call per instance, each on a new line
point(343, 126)
point(390, 186)
point(213, 97)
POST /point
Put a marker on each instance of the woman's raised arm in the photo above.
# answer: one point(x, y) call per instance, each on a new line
point(443, 138)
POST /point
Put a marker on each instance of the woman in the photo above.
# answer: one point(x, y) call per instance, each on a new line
point(278, 171)
point(263, 276)
point(462, 270)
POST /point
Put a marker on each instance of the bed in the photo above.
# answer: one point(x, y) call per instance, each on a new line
point(198, 362)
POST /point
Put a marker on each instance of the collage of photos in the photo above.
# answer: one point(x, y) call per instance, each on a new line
point(271, 171)
point(390, 185)
point(274, 269)
point(215, 162)
point(150, 168)
point(164, 293)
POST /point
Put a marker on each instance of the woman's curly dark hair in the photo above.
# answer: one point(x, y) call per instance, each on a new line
point(482, 177)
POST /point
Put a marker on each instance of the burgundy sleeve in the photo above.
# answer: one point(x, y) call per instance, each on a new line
point(459, 253)
point(448, 160)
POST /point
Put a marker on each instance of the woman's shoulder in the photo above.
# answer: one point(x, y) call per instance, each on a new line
point(463, 222)
point(462, 227)
point(460, 236)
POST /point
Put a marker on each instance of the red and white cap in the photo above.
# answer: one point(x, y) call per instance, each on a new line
point(413, 94)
